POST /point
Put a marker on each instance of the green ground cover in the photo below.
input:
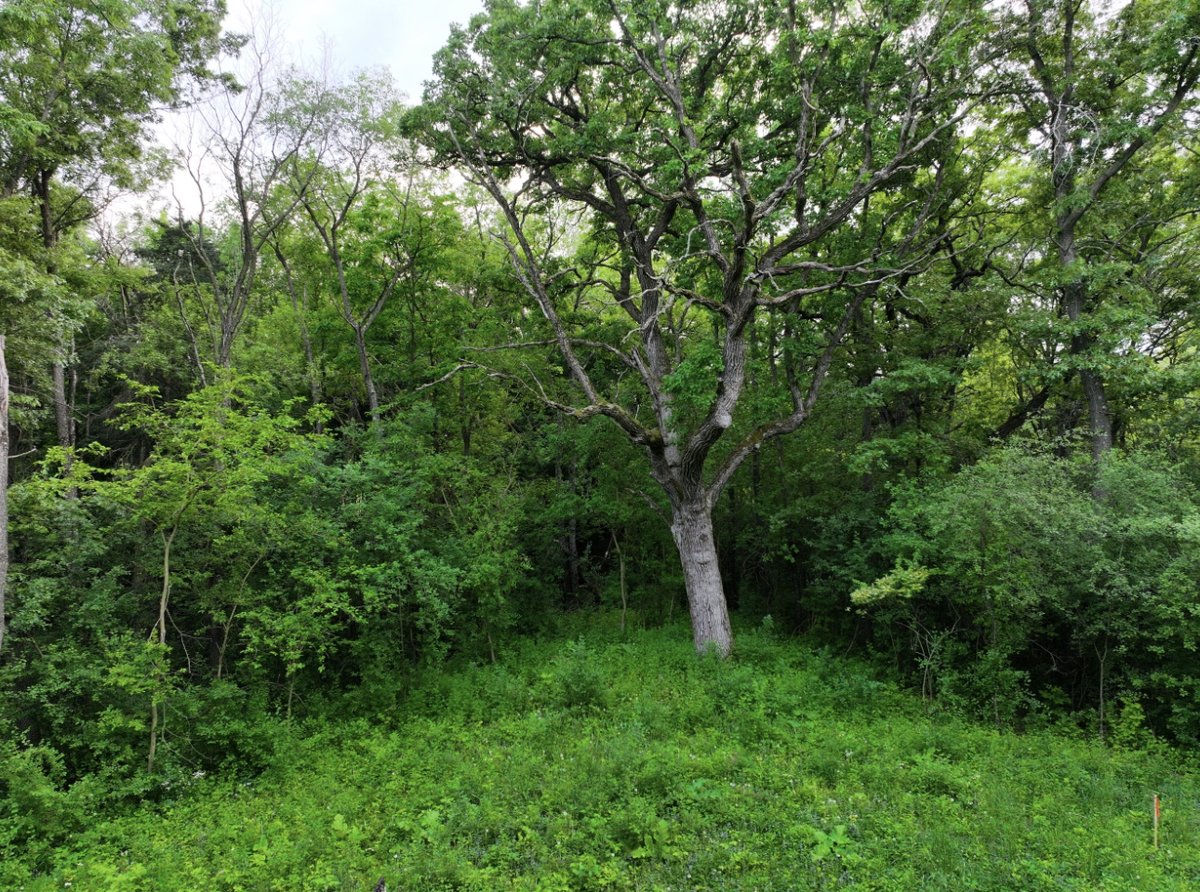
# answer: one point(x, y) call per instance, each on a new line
point(599, 763)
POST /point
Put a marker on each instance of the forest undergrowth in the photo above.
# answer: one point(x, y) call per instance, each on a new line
point(593, 760)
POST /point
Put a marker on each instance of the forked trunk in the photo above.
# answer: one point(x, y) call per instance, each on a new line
point(691, 526)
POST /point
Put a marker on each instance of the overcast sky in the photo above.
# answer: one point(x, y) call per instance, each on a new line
point(401, 35)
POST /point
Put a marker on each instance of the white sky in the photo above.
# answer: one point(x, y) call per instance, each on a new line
point(401, 35)
point(337, 37)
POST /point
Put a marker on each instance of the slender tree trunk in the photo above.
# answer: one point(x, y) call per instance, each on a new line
point(62, 407)
point(1100, 422)
point(163, 600)
point(692, 529)
point(624, 593)
point(3, 491)
point(291, 689)
point(225, 641)
point(464, 414)
point(187, 327)
point(153, 733)
point(311, 370)
point(63, 415)
point(364, 366)
point(300, 308)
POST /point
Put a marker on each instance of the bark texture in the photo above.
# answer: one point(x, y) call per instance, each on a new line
point(692, 529)
point(3, 492)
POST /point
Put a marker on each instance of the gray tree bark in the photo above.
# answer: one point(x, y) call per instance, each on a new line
point(692, 529)
point(3, 492)
point(62, 407)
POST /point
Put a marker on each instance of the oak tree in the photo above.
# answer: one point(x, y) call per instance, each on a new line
point(1097, 92)
point(722, 155)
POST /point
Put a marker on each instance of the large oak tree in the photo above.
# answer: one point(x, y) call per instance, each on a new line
point(731, 159)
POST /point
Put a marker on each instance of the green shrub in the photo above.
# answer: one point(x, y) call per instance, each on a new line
point(787, 769)
point(1013, 584)
point(578, 680)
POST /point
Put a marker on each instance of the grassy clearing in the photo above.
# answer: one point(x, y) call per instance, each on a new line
point(600, 764)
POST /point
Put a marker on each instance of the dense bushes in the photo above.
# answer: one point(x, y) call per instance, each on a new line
point(283, 568)
point(1021, 581)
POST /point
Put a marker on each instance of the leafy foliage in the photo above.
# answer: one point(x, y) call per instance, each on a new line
point(1012, 565)
point(787, 768)
point(316, 575)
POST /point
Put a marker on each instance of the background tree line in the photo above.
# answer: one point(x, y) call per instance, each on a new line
point(874, 319)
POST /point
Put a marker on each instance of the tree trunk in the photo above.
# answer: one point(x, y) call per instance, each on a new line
point(187, 327)
point(1100, 423)
point(624, 592)
point(63, 415)
point(161, 628)
point(1099, 415)
point(692, 529)
point(300, 308)
point(364, 366)
point(62, 407)
point(3, 490)
point(465, 419)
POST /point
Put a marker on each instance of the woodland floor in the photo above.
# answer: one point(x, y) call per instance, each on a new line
point(602, 763)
